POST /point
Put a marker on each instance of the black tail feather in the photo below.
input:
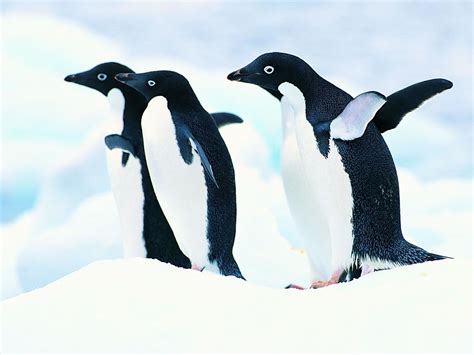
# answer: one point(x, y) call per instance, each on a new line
point(230, 268)
point(399, 254)
point(405, 253)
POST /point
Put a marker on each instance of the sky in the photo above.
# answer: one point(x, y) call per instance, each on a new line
point(360, 45)
point(53, 166)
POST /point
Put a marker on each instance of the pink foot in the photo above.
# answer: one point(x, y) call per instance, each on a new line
point(196, 267)
point(366, 270)
point(297, 287)
point(333, 280)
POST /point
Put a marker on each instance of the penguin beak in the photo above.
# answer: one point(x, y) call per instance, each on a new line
point(78, 78)
point(239, 75)
point(134, 81)
point(235, 75)
point(124, 77)
point(70, 78)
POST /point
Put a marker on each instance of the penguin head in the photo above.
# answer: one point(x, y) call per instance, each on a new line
point(156, 83)
point(101, 77)
point(270, 70)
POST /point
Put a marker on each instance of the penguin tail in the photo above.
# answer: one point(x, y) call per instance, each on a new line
point(230, 268)
point(405, 253)
point(398, 253)
point(235, 273)
point(434, 257)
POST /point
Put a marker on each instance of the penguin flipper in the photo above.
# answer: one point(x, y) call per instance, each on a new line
point(116, 141)
point(352, 122)
point(202, 154)
point(223, 119)
point(406, 100)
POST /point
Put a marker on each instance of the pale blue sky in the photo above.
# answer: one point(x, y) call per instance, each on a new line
point(360, 46)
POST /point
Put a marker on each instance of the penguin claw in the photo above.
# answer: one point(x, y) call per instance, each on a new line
point(296, 287)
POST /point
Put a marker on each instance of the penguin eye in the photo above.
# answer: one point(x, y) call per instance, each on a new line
point(102, 76)
point(268, 69)
point(151, 83)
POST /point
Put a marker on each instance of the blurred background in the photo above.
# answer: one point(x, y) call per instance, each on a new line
point(57, 212)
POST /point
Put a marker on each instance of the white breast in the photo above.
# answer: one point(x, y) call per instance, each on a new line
point(180, 188)
point(302, 201)
point(126, 183)
point(329, 181)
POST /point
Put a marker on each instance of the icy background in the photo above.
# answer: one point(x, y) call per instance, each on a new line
point(57, 212)
point(206, 313)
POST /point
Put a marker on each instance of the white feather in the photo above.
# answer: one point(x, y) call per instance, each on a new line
point(126, 184)
point(330, 183)
point(353, 121)
point(180, 188)
point(302, 202)
point(376, 263)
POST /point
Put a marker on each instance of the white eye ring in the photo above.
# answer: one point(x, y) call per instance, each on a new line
point(268, 69)
point(102, 76)
point(151, 83)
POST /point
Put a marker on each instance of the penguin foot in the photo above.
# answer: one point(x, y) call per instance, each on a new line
point(333, 280)
point(196, 267)
point(321, 284)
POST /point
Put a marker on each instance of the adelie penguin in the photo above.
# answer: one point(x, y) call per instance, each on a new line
point(303, 209)
point(191, 169)
point(339, 176)
point(145, 230)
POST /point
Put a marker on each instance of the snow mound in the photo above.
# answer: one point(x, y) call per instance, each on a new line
point(142, 305)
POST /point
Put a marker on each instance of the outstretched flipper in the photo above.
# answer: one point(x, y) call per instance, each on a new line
point(116, 141)
point(187, 154)
point(352, 122)
point(223, 119)
point(406, 100)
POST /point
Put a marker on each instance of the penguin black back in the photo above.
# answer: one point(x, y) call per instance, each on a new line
point(376, 196)
point(222, 209)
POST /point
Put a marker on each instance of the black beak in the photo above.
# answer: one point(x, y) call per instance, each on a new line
point(70, 78)
point(236, 75)
point(123, 77)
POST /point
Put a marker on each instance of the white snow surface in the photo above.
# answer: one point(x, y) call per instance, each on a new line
point(143, 305)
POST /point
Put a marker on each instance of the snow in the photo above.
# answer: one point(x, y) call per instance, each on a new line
point(142, 305)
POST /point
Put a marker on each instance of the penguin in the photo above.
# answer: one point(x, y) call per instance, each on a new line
point(145, 230)
point(388, 117)
point(190, 168)
point(344, 189)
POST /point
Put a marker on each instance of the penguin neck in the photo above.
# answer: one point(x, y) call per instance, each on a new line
point(117, 102)
point(287, 117)
point(319, 99)
point(183, 101)
point(129, 106)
